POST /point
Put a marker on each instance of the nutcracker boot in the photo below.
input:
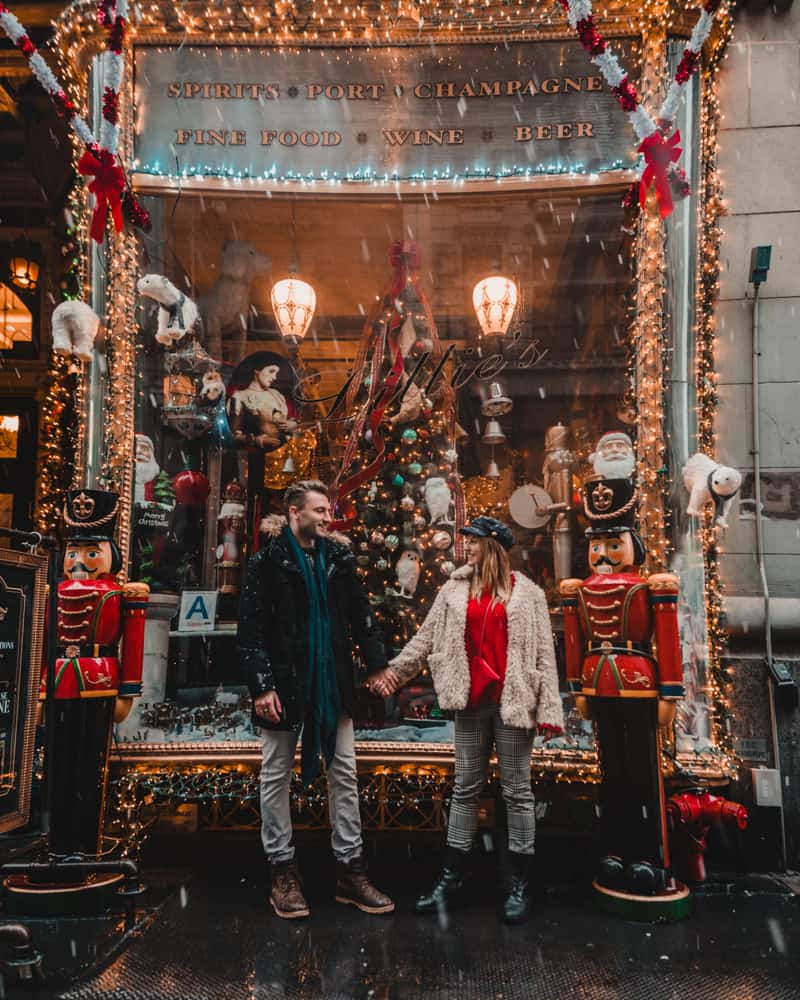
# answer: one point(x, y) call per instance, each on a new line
point(517, 904)
point(449, 891)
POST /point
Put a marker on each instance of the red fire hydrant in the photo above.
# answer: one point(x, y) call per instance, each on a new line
point(689, 816)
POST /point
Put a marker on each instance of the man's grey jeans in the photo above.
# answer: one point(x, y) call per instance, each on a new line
point(276, 775)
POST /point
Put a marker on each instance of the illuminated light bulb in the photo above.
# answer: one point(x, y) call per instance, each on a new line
point(293, 303)
point(494, 300)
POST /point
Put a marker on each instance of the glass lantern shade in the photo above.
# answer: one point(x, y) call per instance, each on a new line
point(494, 300)
point(293, 302)
point(24, 272)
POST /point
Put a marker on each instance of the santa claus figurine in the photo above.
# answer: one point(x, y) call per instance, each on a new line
point(147, 470)
point(623, 664)
point(613, 456)
point(95, 682)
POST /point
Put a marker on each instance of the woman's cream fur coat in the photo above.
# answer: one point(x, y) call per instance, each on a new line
point(530, 692)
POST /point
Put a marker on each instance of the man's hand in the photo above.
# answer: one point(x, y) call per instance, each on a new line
point(384, 683)
point(268, 706)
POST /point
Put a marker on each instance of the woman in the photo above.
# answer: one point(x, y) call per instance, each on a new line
point(489, 646)
point(258, 414)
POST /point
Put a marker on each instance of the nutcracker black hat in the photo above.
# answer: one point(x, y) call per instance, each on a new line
point(490, 527)
point(610, 508)
point(90, 515)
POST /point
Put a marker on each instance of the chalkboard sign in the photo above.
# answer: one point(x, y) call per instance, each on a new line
point(23, 580)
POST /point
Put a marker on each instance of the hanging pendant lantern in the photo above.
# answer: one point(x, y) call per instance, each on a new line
point(23, 268)
point(494, 300)
point(294, 302)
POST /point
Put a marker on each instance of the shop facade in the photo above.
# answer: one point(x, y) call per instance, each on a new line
point(322, 184)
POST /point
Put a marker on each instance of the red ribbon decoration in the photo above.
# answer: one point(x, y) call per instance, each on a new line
point(107, 187)
point(659, 153)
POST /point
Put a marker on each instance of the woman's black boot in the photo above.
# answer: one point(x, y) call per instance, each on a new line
point(517, 905)
point(449, 891)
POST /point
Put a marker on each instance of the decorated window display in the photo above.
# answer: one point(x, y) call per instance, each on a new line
point(431, 273)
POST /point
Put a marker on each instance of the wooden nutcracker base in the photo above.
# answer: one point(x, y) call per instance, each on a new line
point(668, 908)
point(23, 896)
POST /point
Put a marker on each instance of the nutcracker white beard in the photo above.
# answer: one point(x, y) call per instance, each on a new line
point(614, 467)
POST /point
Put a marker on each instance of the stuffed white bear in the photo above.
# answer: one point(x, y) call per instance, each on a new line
point(707, 480)
point(75, 326)
point(225, 307)
point(177, 314)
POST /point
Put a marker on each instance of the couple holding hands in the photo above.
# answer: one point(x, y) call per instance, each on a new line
point(488, 644)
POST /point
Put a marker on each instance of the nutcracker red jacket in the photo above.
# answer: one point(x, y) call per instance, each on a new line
point(273, 628)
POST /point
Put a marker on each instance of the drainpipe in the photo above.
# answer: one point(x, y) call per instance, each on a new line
point(759, 266)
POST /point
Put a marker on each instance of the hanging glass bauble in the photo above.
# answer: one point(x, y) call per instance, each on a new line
point(398, 480)
point(392, 541)
point(409, 434)
point(407, 503)
point(381, 565)
point(377, 538)
point(414, 468)
point(442, 540)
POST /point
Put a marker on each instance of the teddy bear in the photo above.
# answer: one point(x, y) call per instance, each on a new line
point(75, 326)
point(212, 388)
point(225, 306)
point(177, 314)
point(707, 480)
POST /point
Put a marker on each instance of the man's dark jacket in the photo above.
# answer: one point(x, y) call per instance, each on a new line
point(273, 628)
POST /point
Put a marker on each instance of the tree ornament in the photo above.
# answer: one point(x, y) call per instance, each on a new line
point(441, 540)
point(363, 560)
point(420, 522)
point(392, 541)
point(447, 567)
point(409, 434)
point(191, 488)
point(377, 538)
point(381, 565)
point(451, 455)
point(408, 503)
point(414, 468)
point(397, 479)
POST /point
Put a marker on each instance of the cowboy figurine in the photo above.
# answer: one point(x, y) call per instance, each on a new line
point(624, 667)
point(94, 684)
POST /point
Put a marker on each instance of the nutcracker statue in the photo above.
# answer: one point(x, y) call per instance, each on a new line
point(95, 683)
point(231, 524)
point(624, 667)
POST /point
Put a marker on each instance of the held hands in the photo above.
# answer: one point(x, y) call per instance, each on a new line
point(268, 706)
point(384, 683)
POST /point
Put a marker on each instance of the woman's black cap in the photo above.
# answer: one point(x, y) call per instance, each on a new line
point(490, 527)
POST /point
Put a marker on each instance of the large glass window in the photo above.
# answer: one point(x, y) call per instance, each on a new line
point(516, 390)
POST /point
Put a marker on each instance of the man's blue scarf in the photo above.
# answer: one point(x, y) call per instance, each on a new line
point(323, 701)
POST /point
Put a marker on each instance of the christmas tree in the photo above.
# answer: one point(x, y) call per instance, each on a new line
point(399, 489)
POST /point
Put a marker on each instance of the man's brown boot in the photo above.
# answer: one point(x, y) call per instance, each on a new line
point(353, 887)
point(287, 898)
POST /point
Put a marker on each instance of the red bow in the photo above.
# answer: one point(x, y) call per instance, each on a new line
point(659, 153)
point(107, 187)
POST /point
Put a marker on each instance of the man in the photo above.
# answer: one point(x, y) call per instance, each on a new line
point(624, 666)
point(302, 609)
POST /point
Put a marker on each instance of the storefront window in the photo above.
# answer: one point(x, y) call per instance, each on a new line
point(513, 385)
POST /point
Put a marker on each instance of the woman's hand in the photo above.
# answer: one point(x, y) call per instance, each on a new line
point(384, 683)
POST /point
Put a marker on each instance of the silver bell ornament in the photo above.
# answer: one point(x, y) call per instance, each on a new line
point(496, 402)
point(493, 433)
